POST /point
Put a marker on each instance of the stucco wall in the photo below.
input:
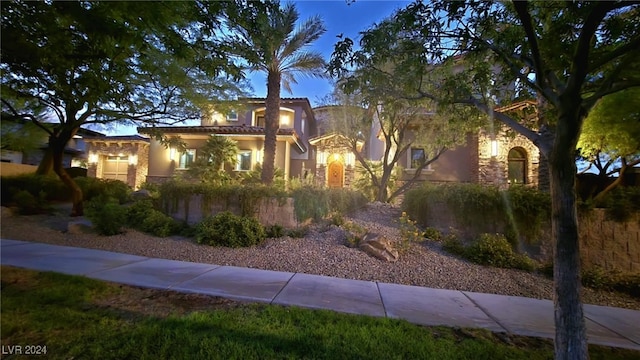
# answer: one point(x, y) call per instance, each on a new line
point(268, 211)
point(9, 169)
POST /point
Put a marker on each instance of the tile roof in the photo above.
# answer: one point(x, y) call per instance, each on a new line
point(217, 129)
point(225, 130)
point(118, 138)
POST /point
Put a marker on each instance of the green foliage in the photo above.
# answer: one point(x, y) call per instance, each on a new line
point(354, 232)
point(298, 232)
point(208, 167)
point(336, 218)
point(158, 224)
point(600, 279)
point(316, 203)
point(53, 188)
point(611, 128)
point(495, 250)
point(275, 231)
point(518, 211)
point(178, 193)
point(28, 204)
point(622, 202)
point(94, 187)
point(432, 234)
point(106, 214)
point(253, 177)
point(452, 244)
point(227, 229)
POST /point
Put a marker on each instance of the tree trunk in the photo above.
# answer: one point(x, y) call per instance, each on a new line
point(570, 339)
point(57, 146)
point(46, 164)
point(272, 122)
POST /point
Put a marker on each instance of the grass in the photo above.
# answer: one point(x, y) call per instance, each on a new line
point(80, 318)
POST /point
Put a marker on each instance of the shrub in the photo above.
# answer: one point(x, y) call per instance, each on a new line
point(227, 229)
point(138, 212)
point(51, 186)
point(432, 234)
point(93, 187)
point(622, 202)
point(354, 233)
point(106, 215)
point(158, 224)
point(28, 204)
point(495, 250)
point(482, 209)
point(452, 244)
point(274, 231)
point(298, 232)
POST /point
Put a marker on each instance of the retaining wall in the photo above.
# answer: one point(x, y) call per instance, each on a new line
point(606, 243)
point(269, 211)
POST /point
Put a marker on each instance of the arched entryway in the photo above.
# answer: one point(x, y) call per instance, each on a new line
point(335, 174)
point(517, 160)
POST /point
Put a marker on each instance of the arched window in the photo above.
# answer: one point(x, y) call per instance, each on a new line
point(517, 166)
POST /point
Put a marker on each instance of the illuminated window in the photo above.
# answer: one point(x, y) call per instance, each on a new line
point(186, 159)
point(244, 160)
point(517, 159)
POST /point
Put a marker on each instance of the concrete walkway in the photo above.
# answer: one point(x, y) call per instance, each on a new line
point(516, 315)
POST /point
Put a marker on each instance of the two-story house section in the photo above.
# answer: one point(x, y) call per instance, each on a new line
point(245, 125)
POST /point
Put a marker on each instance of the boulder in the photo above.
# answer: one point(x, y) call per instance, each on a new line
point(379, 247)
point(6, 211)
point(141, 194)
point(79, 226)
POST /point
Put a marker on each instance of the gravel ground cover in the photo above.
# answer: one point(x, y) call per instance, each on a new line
point(322, 251)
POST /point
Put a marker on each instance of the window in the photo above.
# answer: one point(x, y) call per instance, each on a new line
point(232, 115)
point(260, 120)
point(186, 159)
point(517, 163)
point(244, 160)
point(417, 158)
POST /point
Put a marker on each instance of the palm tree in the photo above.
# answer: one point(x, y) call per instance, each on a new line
point(267, 39)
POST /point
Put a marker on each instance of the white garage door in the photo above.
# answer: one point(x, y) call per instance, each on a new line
point(116, 168)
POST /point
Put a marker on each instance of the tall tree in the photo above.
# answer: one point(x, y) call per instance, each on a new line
point(99, 63)
point(266, 38)
point(569, 54)
point(401, 123)
point(610, 138)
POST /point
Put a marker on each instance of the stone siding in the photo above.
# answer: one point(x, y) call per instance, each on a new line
point(605, 243)
point(494, 170)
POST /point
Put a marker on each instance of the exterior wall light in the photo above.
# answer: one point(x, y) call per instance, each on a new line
point(494, 148)
point(133, 159)
point(93, 158)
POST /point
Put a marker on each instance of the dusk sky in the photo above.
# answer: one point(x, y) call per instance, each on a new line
point(339, 18)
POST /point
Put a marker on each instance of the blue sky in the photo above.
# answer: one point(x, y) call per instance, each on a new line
point(339, 18)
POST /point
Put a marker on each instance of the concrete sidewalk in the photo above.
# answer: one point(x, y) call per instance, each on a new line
point(517, 315)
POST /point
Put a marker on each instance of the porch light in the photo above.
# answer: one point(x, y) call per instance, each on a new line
point(494, 148)
point(93, 158)
point(133, 159)
point(172, 154)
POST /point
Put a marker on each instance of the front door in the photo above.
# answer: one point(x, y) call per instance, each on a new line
point(335, 176)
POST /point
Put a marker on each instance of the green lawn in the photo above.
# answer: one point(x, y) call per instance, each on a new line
point(80, 318)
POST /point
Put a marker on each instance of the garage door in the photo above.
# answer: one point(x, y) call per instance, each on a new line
point(116, 168)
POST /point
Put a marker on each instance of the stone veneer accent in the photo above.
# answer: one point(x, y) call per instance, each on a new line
point(494, 170)
point(136, 174)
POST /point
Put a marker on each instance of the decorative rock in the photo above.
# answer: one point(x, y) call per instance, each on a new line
point(379, 247)
point(141, 194)
point(5, 211)
point(80, 226)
